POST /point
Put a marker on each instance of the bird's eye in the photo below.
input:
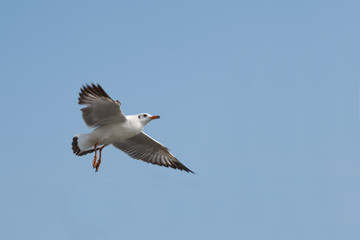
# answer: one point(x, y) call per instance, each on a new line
point(145, 115)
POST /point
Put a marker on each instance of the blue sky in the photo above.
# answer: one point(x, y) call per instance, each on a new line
point(259, 98)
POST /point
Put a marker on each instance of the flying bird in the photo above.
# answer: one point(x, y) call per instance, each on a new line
point(111, 126)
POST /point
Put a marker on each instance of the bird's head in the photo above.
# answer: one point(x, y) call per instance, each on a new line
point(144, 118)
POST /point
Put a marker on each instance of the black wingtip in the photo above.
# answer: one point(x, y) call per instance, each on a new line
point(189, 171)
point(186, 169)
point(178, 165)
point(89, 91)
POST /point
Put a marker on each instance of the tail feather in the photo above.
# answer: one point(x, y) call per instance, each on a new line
point(80, 149)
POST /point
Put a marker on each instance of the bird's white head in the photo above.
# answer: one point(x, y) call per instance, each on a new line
point(145, 118)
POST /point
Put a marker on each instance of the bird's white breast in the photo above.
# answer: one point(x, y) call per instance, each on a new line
point(116, 132)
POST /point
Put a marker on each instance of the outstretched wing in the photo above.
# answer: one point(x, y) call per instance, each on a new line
point(101, 109)
point(145, 148)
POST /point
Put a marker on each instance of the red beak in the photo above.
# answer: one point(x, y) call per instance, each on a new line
point(155, 117)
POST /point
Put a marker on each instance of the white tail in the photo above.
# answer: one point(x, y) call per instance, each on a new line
point(81, 145)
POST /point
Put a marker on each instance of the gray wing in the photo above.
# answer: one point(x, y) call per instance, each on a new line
point(101, 109)
point(149, 150)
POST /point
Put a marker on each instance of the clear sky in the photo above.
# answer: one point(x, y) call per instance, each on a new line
point(259, 98)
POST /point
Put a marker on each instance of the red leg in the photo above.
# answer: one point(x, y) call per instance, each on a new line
point(95, 157)
point(99, 161)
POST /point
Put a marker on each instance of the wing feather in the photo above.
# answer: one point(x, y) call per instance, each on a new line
point(100, 108)
point(143, 147)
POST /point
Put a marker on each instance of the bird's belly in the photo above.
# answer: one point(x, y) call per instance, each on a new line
point(109, 134)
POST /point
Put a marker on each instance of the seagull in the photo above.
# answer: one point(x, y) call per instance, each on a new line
point(111, 126)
